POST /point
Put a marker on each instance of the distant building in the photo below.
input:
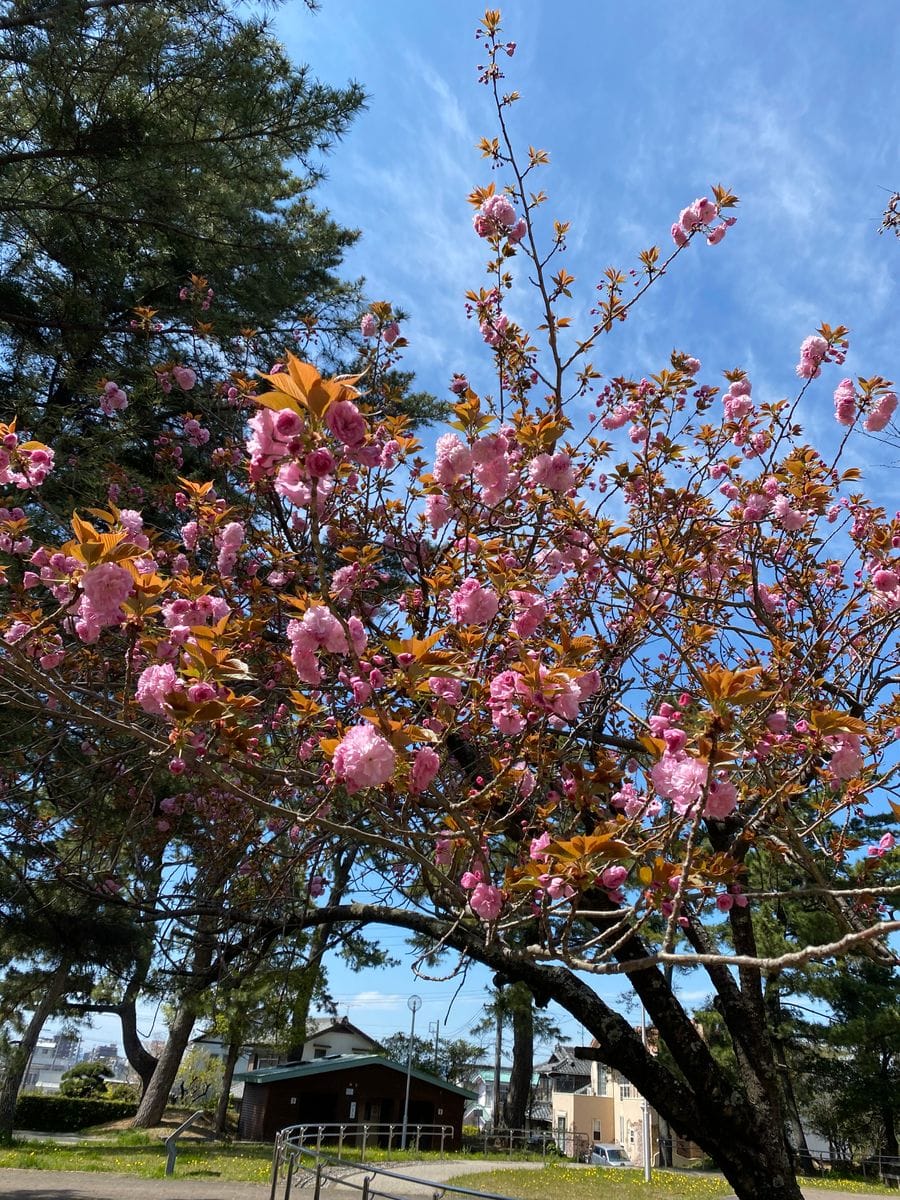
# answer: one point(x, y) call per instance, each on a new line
point(325, 1038)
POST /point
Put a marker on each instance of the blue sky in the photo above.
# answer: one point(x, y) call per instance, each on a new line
point(642, 107)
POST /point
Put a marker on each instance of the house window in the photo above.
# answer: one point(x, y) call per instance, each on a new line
point(598, 1130)
point(625, 1090)
point(621, 1131)
point(602, 1079)
point(320, 1051)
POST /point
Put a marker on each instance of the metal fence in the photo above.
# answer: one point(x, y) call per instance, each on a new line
point(512, 1142)
point(297, 1163)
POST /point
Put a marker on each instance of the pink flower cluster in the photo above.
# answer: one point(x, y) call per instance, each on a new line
point(552, 471)
point(497, 218)
point(486, 901)
point(23, 466)
point(699, 215)
point(363, 758)
point(196, 434)
point(105, 588)
point(846, 760)
point(880, 413)
point(154, 684)
point(473, 604)
point(885, 845)
point(180, 615)
point(319, 629)
point(813, 353)
point(113, 398)
point(559, 695)
point(736, 401)
point(273, 436)
point(487, 461)
point(680, 777)
point(426, 763)
point(229, 543)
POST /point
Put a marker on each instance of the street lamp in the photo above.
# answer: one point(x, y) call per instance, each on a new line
point(645, 1110)
point(414, 1003)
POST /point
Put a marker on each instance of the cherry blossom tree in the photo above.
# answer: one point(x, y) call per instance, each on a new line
point(559, 684)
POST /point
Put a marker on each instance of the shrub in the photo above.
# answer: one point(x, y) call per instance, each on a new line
point(84, 1080)
point(62, 1114)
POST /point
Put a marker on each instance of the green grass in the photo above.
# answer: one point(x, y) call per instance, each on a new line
point(587, 1183)
point(136, 1154)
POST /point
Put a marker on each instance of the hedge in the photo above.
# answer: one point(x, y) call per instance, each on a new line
point(62, 1114)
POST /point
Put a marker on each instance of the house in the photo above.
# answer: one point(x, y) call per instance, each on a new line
point(325, 1036)
point(347, 1089)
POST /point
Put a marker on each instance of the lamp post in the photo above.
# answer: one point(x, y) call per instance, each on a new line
point(645, 1110)
point(414, 1003)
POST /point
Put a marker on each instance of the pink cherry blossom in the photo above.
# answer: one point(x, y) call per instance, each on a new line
point(812, 355)
point(845, 402)
point(452, 459)
point(448, 690)
point(106, 587)
point(184, 377)
point(363, 758)
point(538, 847)
point(680, 778)
point(425, 767)
point(346, 422)
point(554, 472)
point(153, 685)
point(368, 325)
point(880, 413)
point(473, 604)
point(486, 902)
point(846, 756)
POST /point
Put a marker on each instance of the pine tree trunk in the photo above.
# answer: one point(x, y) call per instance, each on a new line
point(140, 1060)
point(19, 1055)
point(515, 1108)
point(156, 1097)
point(234, 1049)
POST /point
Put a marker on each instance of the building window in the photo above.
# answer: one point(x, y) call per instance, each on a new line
point(621, 1131)
point(320, 1051)
point(625, 1090)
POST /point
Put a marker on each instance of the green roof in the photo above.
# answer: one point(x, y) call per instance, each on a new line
point(343, 1062)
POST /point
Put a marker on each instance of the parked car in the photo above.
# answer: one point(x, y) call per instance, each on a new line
point(606, 1154)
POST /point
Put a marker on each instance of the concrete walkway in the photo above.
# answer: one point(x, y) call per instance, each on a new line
point(16, 1184)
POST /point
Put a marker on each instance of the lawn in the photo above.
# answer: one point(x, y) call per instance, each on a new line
point(140, 1155)
point(587, 1183)
point(144, 1156)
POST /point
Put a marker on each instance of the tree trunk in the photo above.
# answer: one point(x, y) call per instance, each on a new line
point(521, 1007)
point(19, 1055)
point(141, 1060)
point(234, 1050)
point(156, 1097)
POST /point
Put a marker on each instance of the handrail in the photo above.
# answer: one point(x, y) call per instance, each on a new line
point(171, 1147)
point(325, 1165)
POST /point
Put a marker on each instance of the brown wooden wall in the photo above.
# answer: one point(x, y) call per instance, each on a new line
point(329, 1098)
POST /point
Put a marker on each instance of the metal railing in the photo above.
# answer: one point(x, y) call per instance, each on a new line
point(360, 1137)
point(295, 1162)
point(172, 1139)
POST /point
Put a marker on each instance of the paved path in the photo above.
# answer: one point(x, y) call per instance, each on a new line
point(16, 1184)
